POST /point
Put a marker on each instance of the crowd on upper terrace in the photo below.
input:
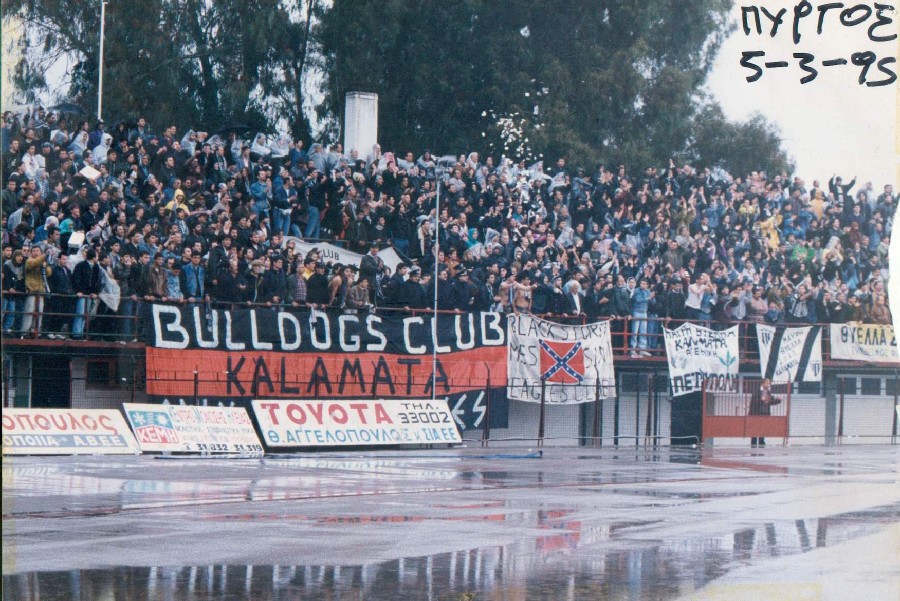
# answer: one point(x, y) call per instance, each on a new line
point(174, 217)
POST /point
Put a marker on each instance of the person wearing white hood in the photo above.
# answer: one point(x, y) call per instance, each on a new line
point(100, 152)
point(260, 146)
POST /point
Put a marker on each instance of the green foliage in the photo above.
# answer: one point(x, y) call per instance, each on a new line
point(739, 148)
point(192, 62)
point(622, 79)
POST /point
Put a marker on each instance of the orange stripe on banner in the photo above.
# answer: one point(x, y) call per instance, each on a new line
point(293, 375)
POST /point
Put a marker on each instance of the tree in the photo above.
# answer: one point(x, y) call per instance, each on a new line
point(619, 82)
point(739, 148)
point(189, 63)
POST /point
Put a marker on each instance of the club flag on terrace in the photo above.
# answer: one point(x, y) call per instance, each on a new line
point(571, 361)
point(790, 354)
point(696, 354)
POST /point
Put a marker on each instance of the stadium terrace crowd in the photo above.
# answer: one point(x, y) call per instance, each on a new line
point(178, 217)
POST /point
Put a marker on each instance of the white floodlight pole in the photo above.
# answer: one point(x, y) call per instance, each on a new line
point(100, 82)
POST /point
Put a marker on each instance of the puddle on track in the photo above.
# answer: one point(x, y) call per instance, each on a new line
point(570, 562)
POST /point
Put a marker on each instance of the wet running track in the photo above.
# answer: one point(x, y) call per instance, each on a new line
point(798, 523)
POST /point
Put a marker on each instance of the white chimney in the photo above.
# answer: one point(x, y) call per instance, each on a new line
point(360, 122)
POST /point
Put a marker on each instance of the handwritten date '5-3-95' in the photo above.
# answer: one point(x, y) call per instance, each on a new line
point(828, 19)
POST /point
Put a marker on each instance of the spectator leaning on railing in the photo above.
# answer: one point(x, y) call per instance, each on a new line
point(201, 219)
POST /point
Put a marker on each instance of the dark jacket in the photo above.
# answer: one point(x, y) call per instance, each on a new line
point(86, 278)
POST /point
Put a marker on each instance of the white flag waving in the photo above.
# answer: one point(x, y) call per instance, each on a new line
point(696, 354)
point(790, 354)
point(574, 363)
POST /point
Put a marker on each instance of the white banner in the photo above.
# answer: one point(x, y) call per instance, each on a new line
point(186, 428)
point(66, 432)
point(570, 360)
point(354, 423)
point(696, 354)
point(331, 253)
point(864, 342)
point(790, 354)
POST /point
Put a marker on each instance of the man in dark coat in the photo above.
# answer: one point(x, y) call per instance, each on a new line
point(317, 287)
point(761, 404)
point(61, 299)
point(413, 294)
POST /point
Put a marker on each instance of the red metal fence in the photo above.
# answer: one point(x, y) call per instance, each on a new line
point(730, 413)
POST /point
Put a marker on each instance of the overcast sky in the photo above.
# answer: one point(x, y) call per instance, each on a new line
point(830, 125)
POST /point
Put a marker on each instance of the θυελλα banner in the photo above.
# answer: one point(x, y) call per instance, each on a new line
point(354, 423)
point(66, 432)
point(872, 343)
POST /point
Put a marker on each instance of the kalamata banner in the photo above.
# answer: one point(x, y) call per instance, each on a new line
point(66, 432)
point(226, 356)
point(354, 423)
point(790, 354)
point(697, 354)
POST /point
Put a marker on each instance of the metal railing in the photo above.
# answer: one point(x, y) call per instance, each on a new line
point(54, 316)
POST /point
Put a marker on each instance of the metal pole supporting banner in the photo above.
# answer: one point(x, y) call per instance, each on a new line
point(486, 429)
point(841, 412)
point(541, 419)
point(637, 410)
point(896, 410)
point(597, 409)
point(616, 415)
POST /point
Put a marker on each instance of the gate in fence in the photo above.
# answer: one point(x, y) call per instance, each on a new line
point(747, 410)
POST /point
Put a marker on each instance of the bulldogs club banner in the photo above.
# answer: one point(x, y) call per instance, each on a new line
point(864, 342)
point(574, 363)
point(231, 357)
point(697, 354)
point(790, 354)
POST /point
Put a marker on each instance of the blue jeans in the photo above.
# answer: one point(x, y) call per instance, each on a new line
point(653, 331)
point(281, 222)
point(639, 331)
point(12, 309)
point(312, 226)
point(83, 308)
point(126, 308)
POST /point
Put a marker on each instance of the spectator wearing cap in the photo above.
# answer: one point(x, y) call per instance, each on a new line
point(413, 293)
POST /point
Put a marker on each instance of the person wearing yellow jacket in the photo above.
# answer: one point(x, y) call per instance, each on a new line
point(769, 229)
point(36, 272)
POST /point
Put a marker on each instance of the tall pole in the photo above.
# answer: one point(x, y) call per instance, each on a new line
point(100, 82)
point(434, 316)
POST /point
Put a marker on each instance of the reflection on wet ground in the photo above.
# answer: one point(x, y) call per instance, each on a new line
point(573, 525)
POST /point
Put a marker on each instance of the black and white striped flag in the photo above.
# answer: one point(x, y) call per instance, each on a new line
point(790, 354)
